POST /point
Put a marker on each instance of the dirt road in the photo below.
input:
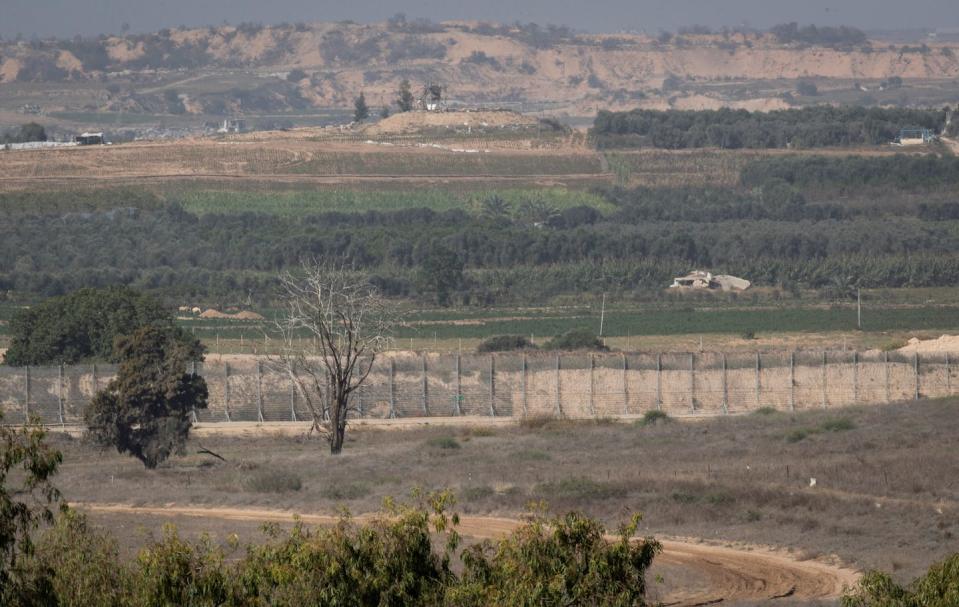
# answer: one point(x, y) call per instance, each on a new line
point(709, 574)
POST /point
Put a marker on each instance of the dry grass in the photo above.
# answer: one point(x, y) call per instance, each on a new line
point(885, 476)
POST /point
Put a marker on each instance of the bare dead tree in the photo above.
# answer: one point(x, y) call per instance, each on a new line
point(332, 329)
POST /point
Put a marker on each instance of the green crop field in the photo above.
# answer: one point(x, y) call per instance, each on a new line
point(412, 163)
point(298, 203)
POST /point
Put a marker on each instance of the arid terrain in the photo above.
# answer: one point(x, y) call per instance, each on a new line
point(821, 489)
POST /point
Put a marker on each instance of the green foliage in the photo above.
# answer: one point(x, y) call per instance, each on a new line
point(27, 496)
point(576, 339)
point(505, 343)
point(841, 36)
point(766, 411)
point(580, 488)
point(443, 442)
point(809, 127)
point(146, 410)
point(559, 561)
point(273, 481)
point(441, 273)
point(361, 111)
point(938, 588)
point(342, 491)
point(902, 172)
point(391, 559)
point(80, 326)
point(26, 133)
point(655, 417)
point(404, 98)
point(839, 424)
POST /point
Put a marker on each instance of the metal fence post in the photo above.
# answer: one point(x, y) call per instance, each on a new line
point(392, 414)
point(725, 388)
point(592, 406)
point(659, 381)
point(492, 386)
point(759, 363)
point(26, 399)
point(824, 379)
point(426, 389)
point(792, 381)
point(459, 389)
point(885, 368)
point(559, 394)
point(60, 392)
point(692, 382)
point(96, 382)
point(916, 365)
point(855, 377)
point(292, 400)
point(948, 375)
point(525, 385)
point(259, 392)
point(226, 390)
point(625, 387)
point(192, 375)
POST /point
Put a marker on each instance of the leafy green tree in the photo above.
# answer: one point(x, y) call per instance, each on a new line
point(938, 588)
point(146, 410)
point(27, 497)
point(560, 561)
point(80, 326)
point(361, 111)
point(405, 97)
point(505, 343)
point(441, 273)
point(576, 339)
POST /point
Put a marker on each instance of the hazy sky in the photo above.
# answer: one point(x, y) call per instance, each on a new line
point(88, 17)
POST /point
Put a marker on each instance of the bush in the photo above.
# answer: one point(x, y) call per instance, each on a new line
point(655, 417)
point(505, 343)
point(274, 481)
point(799, 434)
point(580, 488)
point(841, 424)
point(472, 494)
point(346, 491)
point(766, 411)
point(443, 442)
point(577, 339)
point(938, 588)
point(389, 560)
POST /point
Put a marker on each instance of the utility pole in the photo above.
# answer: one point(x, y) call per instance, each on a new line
point(859, 308)
point(602, 316)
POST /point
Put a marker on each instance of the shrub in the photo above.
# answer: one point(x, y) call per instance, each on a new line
point(577, 339)
point(938, 588)
point(505, 343)
point(766, 411)
point(654, 417)
point(472, 494)
point(443, 442)
point(841, 424)
point(531, 455)
point(346, 491)
point(580, 488)
point(273, 481)
point(535, 422)
point(799, 434)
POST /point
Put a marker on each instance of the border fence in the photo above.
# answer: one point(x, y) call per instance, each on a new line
point(571, 385)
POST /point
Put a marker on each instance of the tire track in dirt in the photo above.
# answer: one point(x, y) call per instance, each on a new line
point(724, 573)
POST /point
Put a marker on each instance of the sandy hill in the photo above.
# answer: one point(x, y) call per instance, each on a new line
point(326, 65)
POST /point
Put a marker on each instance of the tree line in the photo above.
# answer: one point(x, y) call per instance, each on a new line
point(811, 127)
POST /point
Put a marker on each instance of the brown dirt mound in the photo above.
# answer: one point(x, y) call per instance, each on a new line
point(945, 343)
point(244, 315)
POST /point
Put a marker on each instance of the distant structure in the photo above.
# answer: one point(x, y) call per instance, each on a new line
point(89, 139)
point(699, 279)
point(915, 137)
point(432, 98)
point(232, 125)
